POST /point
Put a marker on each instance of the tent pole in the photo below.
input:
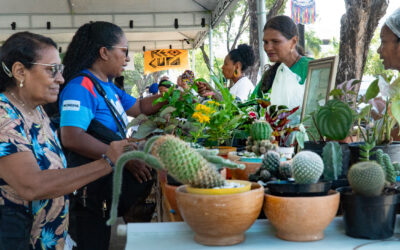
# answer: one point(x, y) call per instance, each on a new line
point(211, 56)
point(193, 60)
point(262, 16)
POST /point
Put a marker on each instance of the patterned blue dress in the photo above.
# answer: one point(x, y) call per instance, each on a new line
point(19, 134)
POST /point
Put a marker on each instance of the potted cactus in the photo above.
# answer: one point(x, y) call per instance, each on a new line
point(369, 205)
point(212, 222)
point(301, 210)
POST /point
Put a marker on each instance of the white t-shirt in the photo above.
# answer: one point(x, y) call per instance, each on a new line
point(242, 88)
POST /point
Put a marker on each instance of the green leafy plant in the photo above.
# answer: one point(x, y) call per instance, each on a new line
point(377, 111)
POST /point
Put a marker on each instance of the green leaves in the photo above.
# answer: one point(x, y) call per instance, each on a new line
point(372, 91)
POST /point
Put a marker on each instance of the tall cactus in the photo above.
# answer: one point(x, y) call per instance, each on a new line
point(195, 167)
point(332, 157)
point(384, 160)
point(366, 178)
point(307, 167)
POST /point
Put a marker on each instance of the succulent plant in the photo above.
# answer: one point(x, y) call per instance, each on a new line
point(332, 157)
point(384, 160)
point(307, 167)
point(189, 166)
point(271, 162)
point(260, 130)
point(259, 147)
point(367, 178)
point(334, 119)
point(285, 169)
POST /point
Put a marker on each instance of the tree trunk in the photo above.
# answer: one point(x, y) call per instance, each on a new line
point(205, 57)
point(278, 4)
point(252, 72)
point(357, 28)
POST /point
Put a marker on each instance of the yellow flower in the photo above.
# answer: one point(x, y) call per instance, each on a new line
point(201, 117)
point(204, 109)
point(213, 103)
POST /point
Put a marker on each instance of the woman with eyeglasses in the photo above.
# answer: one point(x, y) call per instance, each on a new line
point(34, 180)
point(89, 120)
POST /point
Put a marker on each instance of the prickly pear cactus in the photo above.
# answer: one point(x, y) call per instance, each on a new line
point(271, 162)
point(366, 178)
point(260, 130)
point(332, 157)
point(307, 167)
point(189, 166)
point(285, 169)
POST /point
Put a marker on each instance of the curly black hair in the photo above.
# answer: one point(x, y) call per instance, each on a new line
point(288, 29)
point(21, 47)
point(243, 54)
point(84, 48)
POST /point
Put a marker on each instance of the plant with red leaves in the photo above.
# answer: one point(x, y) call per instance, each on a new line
point(278, 118)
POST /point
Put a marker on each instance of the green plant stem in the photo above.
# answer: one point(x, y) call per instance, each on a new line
point(316, 126)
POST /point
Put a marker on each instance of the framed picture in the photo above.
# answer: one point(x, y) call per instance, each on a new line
point(320, 82)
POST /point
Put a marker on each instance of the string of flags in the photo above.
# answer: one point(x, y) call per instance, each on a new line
point(303, 11)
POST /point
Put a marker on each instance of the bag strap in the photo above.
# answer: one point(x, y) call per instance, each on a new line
point(117, 117)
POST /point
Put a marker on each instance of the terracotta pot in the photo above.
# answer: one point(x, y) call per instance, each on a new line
point(301, 218)
point(224, 150)
point(171, 197)
point(220, 220)
point(243, 174)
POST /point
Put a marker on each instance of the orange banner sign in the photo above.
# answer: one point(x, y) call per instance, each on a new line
point(163, 59)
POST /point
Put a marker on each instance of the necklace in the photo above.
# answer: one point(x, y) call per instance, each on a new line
point(36, 118)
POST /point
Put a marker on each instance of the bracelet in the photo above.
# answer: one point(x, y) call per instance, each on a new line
point(105, 157)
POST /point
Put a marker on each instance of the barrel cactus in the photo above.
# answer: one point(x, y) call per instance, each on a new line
point(271, 162)
point(187, 165)
point(334, 119)
point(260, 130)
point(366, 178)
point(307, 167)
point(285, 169)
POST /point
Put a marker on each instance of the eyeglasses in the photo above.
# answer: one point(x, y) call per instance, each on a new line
point(126, 49)
point(55, 68)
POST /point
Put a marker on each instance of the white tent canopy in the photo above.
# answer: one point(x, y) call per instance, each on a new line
point(148, 24)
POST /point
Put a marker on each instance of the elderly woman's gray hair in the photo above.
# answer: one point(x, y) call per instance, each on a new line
point(393, 22)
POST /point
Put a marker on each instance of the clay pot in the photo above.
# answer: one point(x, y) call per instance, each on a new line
point(171, 197)
point(220, 220)
point(223, 151)
point(243, 174)
point(301, 218)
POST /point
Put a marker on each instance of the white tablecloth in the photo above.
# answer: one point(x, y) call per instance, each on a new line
point(178, 236)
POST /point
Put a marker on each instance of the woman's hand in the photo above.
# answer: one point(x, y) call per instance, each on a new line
point(139, 170)
point(204, 89)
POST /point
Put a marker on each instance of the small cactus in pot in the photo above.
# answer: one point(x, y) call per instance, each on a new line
point(196, 167)
point(307, 167)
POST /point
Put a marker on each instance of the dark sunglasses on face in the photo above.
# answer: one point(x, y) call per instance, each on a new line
point(55, 68)
point(125, 48)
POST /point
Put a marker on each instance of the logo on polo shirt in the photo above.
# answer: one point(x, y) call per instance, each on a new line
point(71, 105)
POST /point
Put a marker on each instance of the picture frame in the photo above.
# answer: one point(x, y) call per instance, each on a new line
point(321, 77)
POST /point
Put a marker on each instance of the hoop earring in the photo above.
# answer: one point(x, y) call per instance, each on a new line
point(21, 83)
point(235, 74)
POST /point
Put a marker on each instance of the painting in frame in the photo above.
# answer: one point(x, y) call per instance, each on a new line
point(320, 82)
